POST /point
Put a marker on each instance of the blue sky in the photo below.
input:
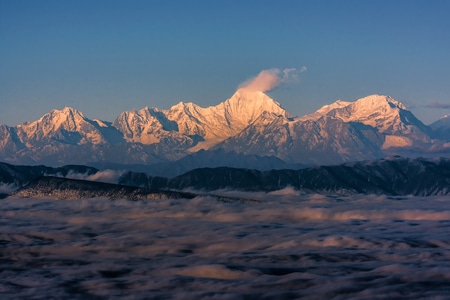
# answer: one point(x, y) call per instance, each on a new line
point(105, 57)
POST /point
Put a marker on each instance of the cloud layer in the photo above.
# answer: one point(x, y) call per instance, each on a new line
point(289, 246)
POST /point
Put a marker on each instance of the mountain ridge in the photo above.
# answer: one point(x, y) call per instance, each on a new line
point(248, 123)
point(392, 176)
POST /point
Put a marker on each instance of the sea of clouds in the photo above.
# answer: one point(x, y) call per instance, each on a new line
point(286, 245)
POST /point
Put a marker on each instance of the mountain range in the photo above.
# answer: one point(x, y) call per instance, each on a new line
point(393, 176)
point(248, 130)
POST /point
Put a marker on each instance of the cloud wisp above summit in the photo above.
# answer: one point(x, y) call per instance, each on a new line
point(269, 79)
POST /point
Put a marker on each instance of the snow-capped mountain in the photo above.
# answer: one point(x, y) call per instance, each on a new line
point(248, 123)
point(338, 132)
point(322, 141)
point(9, 141)
point(146, 126)
point(225, 119)
point(192, 125)
point(441, 128)
point(391, 118)
point(68, 126)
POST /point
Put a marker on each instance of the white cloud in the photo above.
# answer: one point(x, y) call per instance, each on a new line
point(269, 79)
point(6, 188)
point(108, 176)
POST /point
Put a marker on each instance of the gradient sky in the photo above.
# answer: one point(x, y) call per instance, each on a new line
point(105, 57)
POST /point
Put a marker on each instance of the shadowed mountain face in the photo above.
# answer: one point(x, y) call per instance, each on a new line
point(250, 125)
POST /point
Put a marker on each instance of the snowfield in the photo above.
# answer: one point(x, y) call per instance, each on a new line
point(284, 246)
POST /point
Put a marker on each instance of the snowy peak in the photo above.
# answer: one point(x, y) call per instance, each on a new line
point(386, 114)
point(68, 118)
point(190, 118)
point(362, 109)
point(327, 108)
point(374, 110)
point(144, 125)
point(67, 125)
point(205, 127)
point(390, 117)
point(248, 105)
point(441, 128)
point(217, 123)
point(248, 122)
point(442, 122)
point(244, 107)
point(133, 123)
point(379, 101)
point(186, 107)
